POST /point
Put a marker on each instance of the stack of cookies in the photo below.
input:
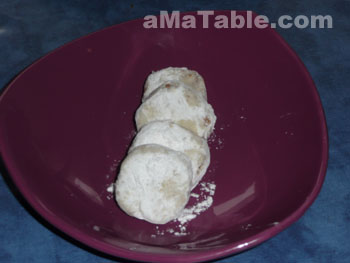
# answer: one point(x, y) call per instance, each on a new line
point(170, 154)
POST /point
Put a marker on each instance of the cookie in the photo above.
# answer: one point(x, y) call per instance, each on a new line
point(154, 183)
point(179, 103)
point(189, 77)
point(173, 136)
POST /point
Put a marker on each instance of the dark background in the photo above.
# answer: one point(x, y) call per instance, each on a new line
point(31, 28)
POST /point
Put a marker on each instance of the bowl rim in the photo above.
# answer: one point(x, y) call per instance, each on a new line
point(192, 256)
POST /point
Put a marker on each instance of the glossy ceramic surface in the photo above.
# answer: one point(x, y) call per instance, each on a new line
point(67, 120)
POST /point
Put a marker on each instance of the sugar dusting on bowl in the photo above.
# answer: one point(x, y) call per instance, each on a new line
point(202, 202)
point(200, 206)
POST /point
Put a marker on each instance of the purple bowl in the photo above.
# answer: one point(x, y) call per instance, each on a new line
point(67, 120)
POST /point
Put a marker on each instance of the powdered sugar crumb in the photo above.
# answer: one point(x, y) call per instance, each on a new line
point(130, 136)
point(209, 188)
point(215, 141)
point(180, 234)
point(114, 166)
point(160, 232)
point(203, 200)
point(190, 213)
point(194, 195)
point(207, 191)
point(212, 137)
point(110, 191)
point(110, 188)
point(96, 228)
point(170, 230)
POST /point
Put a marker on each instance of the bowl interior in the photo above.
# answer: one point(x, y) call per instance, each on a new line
point(67, 121)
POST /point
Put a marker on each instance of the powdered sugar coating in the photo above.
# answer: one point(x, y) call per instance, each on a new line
point(188, 77)
point(173, 136)
point(154, 183)
point(177, 102)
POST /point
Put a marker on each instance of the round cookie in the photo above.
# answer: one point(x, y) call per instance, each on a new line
point(179, 103)
point(173, 136)
point(189, 77)
point(154, 183)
